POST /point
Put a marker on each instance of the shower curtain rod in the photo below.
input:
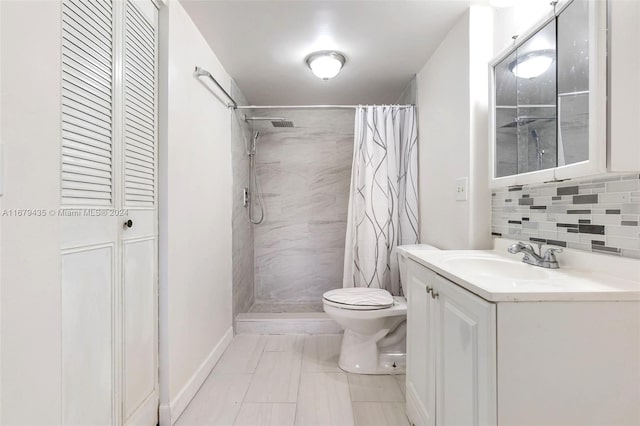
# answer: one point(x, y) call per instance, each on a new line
point(311, 106)
point(201, 72)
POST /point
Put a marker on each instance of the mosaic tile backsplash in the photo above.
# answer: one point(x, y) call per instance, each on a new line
point(599, 214)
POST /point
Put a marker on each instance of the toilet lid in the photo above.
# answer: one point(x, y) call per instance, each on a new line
point(360, 298)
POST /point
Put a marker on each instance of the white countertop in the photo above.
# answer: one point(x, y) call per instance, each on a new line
point(582, 276)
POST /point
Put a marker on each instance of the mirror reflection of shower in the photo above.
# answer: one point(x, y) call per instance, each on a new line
point(254, 186)
point(539, 150)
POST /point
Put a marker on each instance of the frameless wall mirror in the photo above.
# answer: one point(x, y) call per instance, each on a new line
point(542, 96)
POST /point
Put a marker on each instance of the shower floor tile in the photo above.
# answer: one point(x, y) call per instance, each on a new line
point(276, 308)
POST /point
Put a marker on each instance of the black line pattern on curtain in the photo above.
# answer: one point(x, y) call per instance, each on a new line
point(383, 205)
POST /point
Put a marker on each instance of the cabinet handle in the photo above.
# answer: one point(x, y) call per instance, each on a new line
point(429, 289)
point(434, 295)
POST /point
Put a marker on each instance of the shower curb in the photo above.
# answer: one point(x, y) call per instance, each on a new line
point(286, 323)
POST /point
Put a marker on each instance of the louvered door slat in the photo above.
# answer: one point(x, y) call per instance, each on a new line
point(100, 23)
point(143, 26)
point(74, 131)
point(133, 90)
point(140, 109)
point(87, 103)
point(136, 164)
point(86, 121)
point(137, 176)
point(137, 105)
point(140, 77)
point(98, 112)
point(138, 139)
point(140, 181)
point(136, 47)
point(72, 66)
point(90, 47)
point(140, 122)
point(101, 10)
point(94, 65)
point(138, 149)
point(100, 197)
point(138, 146)
point(88, 89)
point(85, 172)
point(82, 20)
point(74, 177)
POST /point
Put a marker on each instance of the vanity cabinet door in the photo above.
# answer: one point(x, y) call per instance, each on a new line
point(466, 359)
point(421, 383)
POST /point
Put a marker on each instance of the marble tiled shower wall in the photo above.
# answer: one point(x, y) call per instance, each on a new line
point(304, 174)
point(242, 242)
point(600, 214)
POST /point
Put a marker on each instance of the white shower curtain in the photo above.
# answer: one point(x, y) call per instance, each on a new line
point(383, 203)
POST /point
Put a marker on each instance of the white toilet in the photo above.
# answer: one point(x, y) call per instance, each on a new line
point(374, 324)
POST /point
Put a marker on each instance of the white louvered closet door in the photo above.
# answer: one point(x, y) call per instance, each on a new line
point(138, 195)
point(108, 180)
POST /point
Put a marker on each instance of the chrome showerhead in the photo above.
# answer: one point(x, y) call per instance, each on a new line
point(282, 123)
point(275, 121)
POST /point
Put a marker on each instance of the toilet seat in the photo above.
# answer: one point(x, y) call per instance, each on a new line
point(359, 298)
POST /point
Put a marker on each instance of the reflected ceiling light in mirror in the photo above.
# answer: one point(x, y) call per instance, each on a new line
point(325, 64)
point(532, 64)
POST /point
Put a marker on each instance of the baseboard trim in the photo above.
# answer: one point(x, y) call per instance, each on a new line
point(169, 413)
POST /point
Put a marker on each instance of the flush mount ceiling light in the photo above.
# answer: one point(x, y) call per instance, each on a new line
point(532, 64)
point(325, 64)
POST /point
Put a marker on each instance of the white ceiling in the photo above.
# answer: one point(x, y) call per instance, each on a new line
point(263, 44)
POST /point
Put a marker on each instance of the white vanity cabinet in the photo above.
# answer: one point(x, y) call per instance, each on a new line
point(519, 359)
point(450, 353)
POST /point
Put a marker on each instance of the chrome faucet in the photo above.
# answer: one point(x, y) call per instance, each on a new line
point(548, 260)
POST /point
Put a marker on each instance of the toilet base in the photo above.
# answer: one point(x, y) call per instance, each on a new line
point(361, 354)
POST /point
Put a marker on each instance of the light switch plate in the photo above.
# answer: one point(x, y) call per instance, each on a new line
point(462, 189)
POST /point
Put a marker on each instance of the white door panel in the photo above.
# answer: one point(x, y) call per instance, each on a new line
point(466, 370)
point(80, 229)
point(140, 361)
point(87, 334)
point(421, 385)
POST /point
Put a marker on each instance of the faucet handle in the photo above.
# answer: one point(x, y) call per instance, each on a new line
point(518, 247)
point(550, 254)
point(539, 247)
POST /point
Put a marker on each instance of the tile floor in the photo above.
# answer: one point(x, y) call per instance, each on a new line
point(286, 380)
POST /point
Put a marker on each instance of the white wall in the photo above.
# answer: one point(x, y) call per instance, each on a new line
point(29, 265)
point(196, 208)
point(452, 108)
point(516, 19)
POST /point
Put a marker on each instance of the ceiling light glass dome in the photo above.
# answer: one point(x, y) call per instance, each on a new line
point(325, 64)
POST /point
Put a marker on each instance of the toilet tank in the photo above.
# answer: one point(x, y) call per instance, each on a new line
point(402, 260)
